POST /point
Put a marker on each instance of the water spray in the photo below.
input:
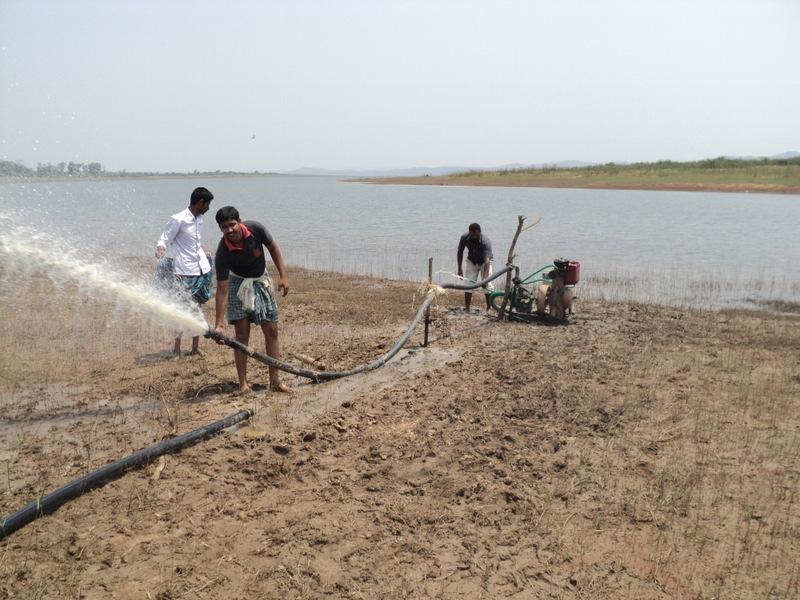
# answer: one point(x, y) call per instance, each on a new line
point(31, 250)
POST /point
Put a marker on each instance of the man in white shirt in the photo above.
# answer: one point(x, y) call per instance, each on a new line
point(191, 267)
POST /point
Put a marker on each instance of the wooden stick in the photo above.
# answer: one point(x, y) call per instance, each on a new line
point(428, 310)
point(520, 221)
point(319, 366)
point(534, 224)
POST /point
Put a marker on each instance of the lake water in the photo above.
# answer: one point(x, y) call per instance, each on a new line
point(678, 248)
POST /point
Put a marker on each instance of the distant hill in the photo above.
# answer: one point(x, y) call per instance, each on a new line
point(451, 170)
point(408, 172)
point(432, 171)
point(783, 156)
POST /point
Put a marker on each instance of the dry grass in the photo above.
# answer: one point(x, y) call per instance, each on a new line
point(771, 179)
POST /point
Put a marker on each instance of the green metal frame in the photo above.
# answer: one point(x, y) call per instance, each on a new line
point(496, 297)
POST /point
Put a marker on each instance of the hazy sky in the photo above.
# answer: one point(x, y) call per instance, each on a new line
point(172, 85)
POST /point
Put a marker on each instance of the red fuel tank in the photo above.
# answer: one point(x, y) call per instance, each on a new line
point(573, 273)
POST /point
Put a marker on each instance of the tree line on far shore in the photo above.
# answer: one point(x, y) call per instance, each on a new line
point(62, 169)
point(93, 169)
point(708, 164)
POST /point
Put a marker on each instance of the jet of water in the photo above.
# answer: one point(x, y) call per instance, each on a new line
point(26, 250)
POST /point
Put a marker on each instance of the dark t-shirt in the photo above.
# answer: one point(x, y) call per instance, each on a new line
point(249, 262)
point(477, 250)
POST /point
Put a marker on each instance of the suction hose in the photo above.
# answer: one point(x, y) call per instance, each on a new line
point(318, 376)
point(473, 286)
point(50, 502)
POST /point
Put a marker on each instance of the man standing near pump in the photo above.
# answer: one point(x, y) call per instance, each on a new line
point(245, 292)
point(479, 260)
point(191, 268)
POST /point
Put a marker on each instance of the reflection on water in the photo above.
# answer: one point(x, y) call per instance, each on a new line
point(684, 248)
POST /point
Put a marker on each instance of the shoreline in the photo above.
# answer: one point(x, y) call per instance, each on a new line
point(777, 306)
point(543, 183)
point(734, 188)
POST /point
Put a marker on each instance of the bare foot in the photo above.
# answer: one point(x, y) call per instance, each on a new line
point(281, 388)
point(195, 352)
point(245, 391)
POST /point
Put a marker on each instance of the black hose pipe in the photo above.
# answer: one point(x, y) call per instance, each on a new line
point(50, 502)
point(318, 376)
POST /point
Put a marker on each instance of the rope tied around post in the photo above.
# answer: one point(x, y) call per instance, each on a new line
point(426, 288)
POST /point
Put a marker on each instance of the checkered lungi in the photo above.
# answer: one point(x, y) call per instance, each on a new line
point(196, 288)
point(266, 309)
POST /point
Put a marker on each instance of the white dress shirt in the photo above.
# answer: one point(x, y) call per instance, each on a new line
point(183, 232)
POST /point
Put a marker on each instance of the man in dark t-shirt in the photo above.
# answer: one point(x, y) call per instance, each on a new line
point(479, 260)
point(245, 291)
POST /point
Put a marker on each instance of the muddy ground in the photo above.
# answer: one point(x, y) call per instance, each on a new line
point(638, 452)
